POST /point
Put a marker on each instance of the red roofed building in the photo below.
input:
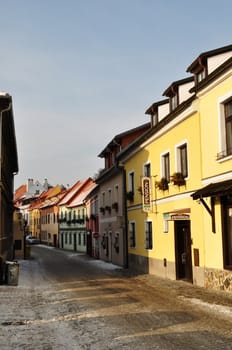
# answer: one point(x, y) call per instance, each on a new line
point(72, 216)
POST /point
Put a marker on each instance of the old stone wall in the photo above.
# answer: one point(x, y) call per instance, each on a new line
point(218, 279)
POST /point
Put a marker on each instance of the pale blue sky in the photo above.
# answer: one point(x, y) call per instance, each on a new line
point(82, 71)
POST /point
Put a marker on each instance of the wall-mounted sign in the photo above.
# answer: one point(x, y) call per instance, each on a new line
point(179, 217)
point(176, 216)
point(146, 191)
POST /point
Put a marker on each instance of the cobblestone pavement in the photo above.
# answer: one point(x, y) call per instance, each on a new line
point(69, 301)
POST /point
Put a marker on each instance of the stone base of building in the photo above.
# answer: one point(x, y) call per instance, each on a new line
point(218, 279)
point(138, 263)
point(161, 268)
point(202, 277)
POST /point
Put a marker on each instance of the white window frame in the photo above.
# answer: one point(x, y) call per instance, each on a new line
point(177, 157)
point(162, 167)
point(221, 124)
point(174, 102)
point(145, 165)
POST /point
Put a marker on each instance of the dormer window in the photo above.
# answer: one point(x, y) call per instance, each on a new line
point(154, 119)
point(173, 102)
point(200, 76)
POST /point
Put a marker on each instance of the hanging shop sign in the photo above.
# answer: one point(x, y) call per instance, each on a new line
point(146, 194)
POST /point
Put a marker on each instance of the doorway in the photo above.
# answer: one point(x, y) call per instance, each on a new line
point(55, 240)
point(74, 242)
point(183, 250)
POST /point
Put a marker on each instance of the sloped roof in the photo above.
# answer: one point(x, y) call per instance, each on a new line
point(19, 192)
point(175, 84)
point(51, 201)
point(150, 110)
point(73, 191)
point(78, 200)
point(207, 54)
point(117, 138)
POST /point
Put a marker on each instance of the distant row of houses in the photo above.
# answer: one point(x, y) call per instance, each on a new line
point(163, 202)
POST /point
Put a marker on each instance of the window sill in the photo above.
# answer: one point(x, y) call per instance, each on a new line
point(224, 159)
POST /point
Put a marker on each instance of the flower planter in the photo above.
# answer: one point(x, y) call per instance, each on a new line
point(162, 185)
point(178, 179)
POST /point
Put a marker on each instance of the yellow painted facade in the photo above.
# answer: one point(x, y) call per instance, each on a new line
point(35, 226)
point(174, 199)
point(213, 169)
point(186, 211)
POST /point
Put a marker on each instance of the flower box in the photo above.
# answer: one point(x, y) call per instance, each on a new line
point(178, 179)
point(162, 184)
point(130, 196)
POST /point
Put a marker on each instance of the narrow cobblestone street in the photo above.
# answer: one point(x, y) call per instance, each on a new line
point(65, 300)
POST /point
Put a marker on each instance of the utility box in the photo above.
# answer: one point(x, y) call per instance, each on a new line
point(12, 273)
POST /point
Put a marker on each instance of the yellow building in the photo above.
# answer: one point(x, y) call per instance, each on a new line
point(214, 94)
point(169, 233)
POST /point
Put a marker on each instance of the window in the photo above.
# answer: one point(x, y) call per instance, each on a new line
point(79, 238)
point(148, 235)
point(200, 76)
point(131, 182)
point(173, 102)
point(225, 126)
point(182, 160)
point(228, 125)
point(110, 197)
point(132, 234)
point(155, 119)
point(70, 238)
point(116, 189)
point(103, 199)
point(147, 170)
point(166, 166)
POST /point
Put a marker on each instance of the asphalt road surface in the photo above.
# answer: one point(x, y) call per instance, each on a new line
point(66, 300)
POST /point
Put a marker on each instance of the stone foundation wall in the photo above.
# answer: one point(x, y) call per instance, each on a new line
point(218, 279)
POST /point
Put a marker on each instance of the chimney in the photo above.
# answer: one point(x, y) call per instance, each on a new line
point(45, 185)
point(29, 184)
